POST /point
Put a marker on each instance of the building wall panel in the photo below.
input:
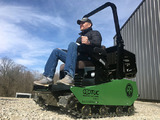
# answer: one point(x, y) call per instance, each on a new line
point(141, 35)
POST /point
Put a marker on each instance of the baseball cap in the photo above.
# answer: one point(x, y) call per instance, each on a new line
point(85, 19)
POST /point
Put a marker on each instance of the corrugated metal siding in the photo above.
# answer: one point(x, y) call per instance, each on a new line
point(141, 35)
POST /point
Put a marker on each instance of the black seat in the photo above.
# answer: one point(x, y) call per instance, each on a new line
point(103, 63)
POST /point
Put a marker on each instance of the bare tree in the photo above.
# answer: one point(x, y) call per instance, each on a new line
point(14, 78)
point(5, 65)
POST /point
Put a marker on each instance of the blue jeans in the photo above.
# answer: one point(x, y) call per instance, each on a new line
point(69, 58)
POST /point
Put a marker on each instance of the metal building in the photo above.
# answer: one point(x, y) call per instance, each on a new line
point(141, 35)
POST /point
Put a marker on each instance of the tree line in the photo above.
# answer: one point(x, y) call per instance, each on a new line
point(15, 78)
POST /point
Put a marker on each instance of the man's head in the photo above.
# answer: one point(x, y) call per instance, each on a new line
point(85, 23)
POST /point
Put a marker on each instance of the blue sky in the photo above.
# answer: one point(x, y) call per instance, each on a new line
point(31, 29)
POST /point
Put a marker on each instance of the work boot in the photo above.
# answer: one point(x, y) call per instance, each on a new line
point(45, 81)
point(67, 80)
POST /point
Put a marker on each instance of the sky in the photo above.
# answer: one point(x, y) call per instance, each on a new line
point(31, 29)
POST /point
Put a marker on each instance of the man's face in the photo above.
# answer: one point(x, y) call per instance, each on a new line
point(84, 25)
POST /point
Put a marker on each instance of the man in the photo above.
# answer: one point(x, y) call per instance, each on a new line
point(88, 39)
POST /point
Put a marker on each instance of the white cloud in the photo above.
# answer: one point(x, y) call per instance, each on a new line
point(24, 47)
point(9, 37)
point(18, 14)
point(16, 41)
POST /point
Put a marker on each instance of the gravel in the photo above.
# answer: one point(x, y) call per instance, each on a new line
point(27, 109)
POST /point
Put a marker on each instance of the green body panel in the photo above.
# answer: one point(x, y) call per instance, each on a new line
point(117, 92)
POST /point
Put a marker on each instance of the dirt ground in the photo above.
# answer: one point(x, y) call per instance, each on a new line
point(27, 109)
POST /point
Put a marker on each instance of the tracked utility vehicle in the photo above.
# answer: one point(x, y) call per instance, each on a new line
point(101, 85)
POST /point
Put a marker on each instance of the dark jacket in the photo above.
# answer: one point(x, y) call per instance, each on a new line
point(93, 36)
point(95, 39)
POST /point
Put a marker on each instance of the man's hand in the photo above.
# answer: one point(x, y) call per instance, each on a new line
point(84, 40)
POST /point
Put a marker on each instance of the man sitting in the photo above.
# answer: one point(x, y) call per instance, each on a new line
point(88, 40)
